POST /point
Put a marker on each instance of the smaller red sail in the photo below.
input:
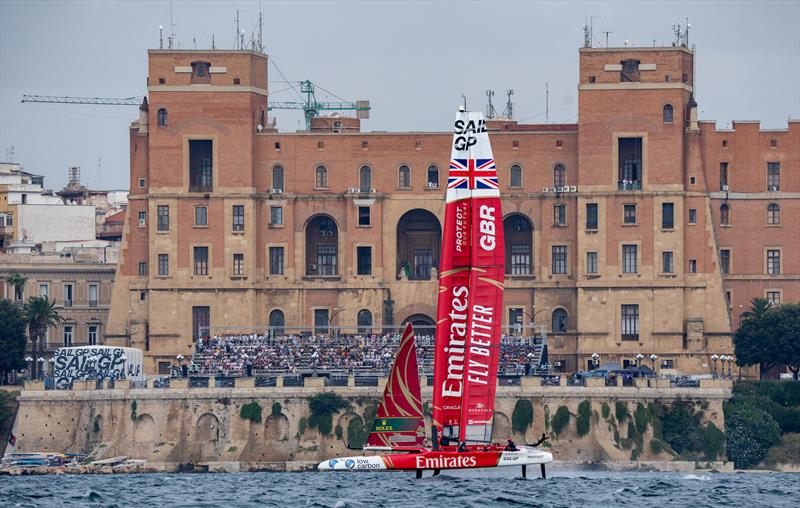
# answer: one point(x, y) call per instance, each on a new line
point(398, 421)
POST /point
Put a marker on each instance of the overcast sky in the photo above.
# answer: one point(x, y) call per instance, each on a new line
point(412, 60)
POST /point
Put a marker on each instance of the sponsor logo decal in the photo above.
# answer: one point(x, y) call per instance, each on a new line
point(349, 463)
point(332, 463)
point(445, 462)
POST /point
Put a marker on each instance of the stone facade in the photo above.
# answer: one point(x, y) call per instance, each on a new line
point(612, 224)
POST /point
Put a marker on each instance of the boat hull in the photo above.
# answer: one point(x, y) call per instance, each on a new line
point(430, 459)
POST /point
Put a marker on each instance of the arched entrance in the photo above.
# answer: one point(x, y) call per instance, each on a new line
point(419, 239)
point(422, 323)
point(322, 246)
point(518, 232)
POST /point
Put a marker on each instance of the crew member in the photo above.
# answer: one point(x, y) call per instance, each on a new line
point(462, 447)
point(511, 446)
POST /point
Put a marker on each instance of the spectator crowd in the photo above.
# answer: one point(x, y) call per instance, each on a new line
point(256, 354)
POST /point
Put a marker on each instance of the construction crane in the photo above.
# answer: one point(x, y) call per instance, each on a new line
point(311, 107)
point(105, 101)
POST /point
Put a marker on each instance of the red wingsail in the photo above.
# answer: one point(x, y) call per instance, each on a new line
point(398, 421)
point(470, 288)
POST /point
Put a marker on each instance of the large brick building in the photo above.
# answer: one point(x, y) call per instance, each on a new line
point(636, 230)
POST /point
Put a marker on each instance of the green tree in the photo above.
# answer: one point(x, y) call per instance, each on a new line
point(40, 314)
point(18, 281)
point(12, 339)
point(769, 338)
point(751, 432)
point(522, 417)
point(758, 307)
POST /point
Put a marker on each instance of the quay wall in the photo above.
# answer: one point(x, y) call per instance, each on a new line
point(204, 425)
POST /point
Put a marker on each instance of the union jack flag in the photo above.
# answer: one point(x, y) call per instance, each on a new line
point(472, 174)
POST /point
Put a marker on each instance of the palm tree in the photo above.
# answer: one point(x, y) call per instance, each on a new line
point(18, 281)
point(758, 307)
point(40, 314)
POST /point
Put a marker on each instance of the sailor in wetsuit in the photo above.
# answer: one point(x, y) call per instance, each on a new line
point(462, 447)
point(511, 446)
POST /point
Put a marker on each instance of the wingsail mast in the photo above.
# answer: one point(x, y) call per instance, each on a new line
point(470, 290)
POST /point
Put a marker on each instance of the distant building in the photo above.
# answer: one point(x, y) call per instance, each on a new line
point(637, 230)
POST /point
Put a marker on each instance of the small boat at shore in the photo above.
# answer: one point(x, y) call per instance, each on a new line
point(470, 304)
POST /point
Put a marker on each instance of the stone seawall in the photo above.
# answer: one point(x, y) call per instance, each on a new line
point(202, 425)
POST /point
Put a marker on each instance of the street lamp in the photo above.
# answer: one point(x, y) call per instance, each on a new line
point(336, 312)
point(714, 359)
point(41, 367)
point(653, 359)
point(595, 360)
point(639, 358)
point(29, 359)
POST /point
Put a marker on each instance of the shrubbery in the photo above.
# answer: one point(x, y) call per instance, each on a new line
point(356, 433)
point(583, 422)
point(787, 452)
point(605, 410)
point(751, 432)
point(251, 411)
point(621, 410)
point(276, 409)
point(522, 417)
point(560, 419)
point(323, 406)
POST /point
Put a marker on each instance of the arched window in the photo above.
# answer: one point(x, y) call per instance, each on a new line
point(404, 176)
point(364, 321)
point(277, 178)
point(668, 113)
point(724, 214)
point(559, 175)
point(559, 321)
point(433, 176)
point(518, 232)
point(162, 117)
point(321, 177)
point(277, 323)
point(322, 246)
point(773, 214)
point(365, 179)
point(516, 175)
point(419, 240)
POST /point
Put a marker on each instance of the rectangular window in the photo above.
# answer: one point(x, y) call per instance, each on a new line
point(591, 215)
point(93, 290)
point(515, 319)
point(201, 322)
point(142, 218)
point(201, 260)
point(520, 259)
point(591, 262)
point(692, 266)
point(630, 322)
point(142, 268)
point(728, 298)
point(91, 334)
point(276, 260)
point(629, 214)
point(238, 264)
point(668, 364)
point(163, 264)
point(141, 183)
point(725, 260)
point(201, 165)
point(363, 216)
point(560, 215)
point(326, 259)
point(692, 216)
point(68, 291)
point(238, 217)
point(43, 290)
point(773, 176)
point(629, 258)
point(667, 215)
point(163, 218)
point(201, 216)
point(321, 321)
point(559, 259)
point(773, 262)
point(630, 164)
point(423, 261)
point(666, 262)
point(68, 335)
point(723, 176)
point(774, 297)
point(364, 256)
point(276, 216)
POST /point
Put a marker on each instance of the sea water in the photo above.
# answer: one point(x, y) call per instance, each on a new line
point(451, 489)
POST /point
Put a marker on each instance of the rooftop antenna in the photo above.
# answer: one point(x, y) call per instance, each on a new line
point(213, 43)
point(10, 153)
point(260, 30)
point(686, 33)
point(546, 102)
point(607, 32)
point(194, 41)
point(490, 112)
point(99, 174)
point(160, 36)
point(587, 36)
point(465, 101)
point(236, 40)
point(171, 26)
point(509, 111)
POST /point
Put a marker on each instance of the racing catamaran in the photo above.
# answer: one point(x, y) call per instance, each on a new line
point(467, 335)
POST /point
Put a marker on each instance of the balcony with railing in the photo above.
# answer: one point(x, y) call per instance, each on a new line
point(629, 185)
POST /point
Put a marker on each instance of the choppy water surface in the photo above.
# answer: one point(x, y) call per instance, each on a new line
point(476, 488)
